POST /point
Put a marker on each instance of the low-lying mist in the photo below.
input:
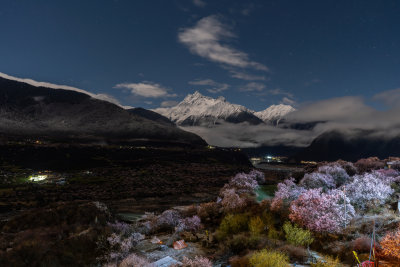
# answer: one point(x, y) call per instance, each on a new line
point(351, 116)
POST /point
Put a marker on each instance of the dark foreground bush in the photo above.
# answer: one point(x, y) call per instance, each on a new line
point(64, 234)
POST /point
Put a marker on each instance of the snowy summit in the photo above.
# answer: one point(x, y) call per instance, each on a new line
point(199, 110)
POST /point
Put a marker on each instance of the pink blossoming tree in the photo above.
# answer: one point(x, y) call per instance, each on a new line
point(189, 224)
point(321, 212)
point(287, 192)
point(318, 180)
point(231, 201)
point(338, 174)
point(368, 188)
point(244, 183)
point(168, 219)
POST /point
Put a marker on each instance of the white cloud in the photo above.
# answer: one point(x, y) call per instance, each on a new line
point(170, 103)
point(349, 115)
point(215, 86)
point(245, 135)
point(279, 91)
point(146, 89)
point(252, 86)
point(245, 76)
point(108, 98)
point(390, 97)
point(104, 97)
point(288, 101)
point(334, 109)
point(206, 40)
point(199, 3)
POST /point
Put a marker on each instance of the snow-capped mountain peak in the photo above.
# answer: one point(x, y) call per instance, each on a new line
point(274, 113)
point(197, 109)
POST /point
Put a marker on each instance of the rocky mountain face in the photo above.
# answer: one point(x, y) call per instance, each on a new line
point(27, 110)
point(199, 110)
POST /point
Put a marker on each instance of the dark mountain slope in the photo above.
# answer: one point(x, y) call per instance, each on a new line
point(335, 145)
point(151, 115)
point(26, 110)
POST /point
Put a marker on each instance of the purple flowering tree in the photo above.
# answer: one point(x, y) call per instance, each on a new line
point(388, 176)
point(189, 224)
point(244, 183)
point(318, 180)
point(168, 219)
point(338, 174)
point(368, 188)
point(287, 192)
point(257, 175)
point(321, 212)
point(231, 201)
point(121, 228)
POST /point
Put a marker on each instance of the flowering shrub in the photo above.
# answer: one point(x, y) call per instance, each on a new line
point(231, 201)
point(390, 244)
point(121, 228)
point(123, 244)
point(335, 171)
point(347, 166)
point(114, 239)
point(134, 260)
point(388, 176)
point(367, 188)
point(244, 183)
point(198, 261)
point(257, 175)
point(120, 246)
point(286, 193)
point(126, 244)
point(189, 224)
point(168, 219)
point(318, 180)
point(266, 258)
point(321, 212)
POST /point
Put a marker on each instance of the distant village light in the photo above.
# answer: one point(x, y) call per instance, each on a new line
point(37, 178)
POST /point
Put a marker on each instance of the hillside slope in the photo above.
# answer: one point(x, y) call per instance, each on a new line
point(27, 110)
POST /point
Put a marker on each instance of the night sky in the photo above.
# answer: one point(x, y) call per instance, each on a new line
point(255, 53)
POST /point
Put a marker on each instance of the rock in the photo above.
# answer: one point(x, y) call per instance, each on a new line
point(163, 247)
